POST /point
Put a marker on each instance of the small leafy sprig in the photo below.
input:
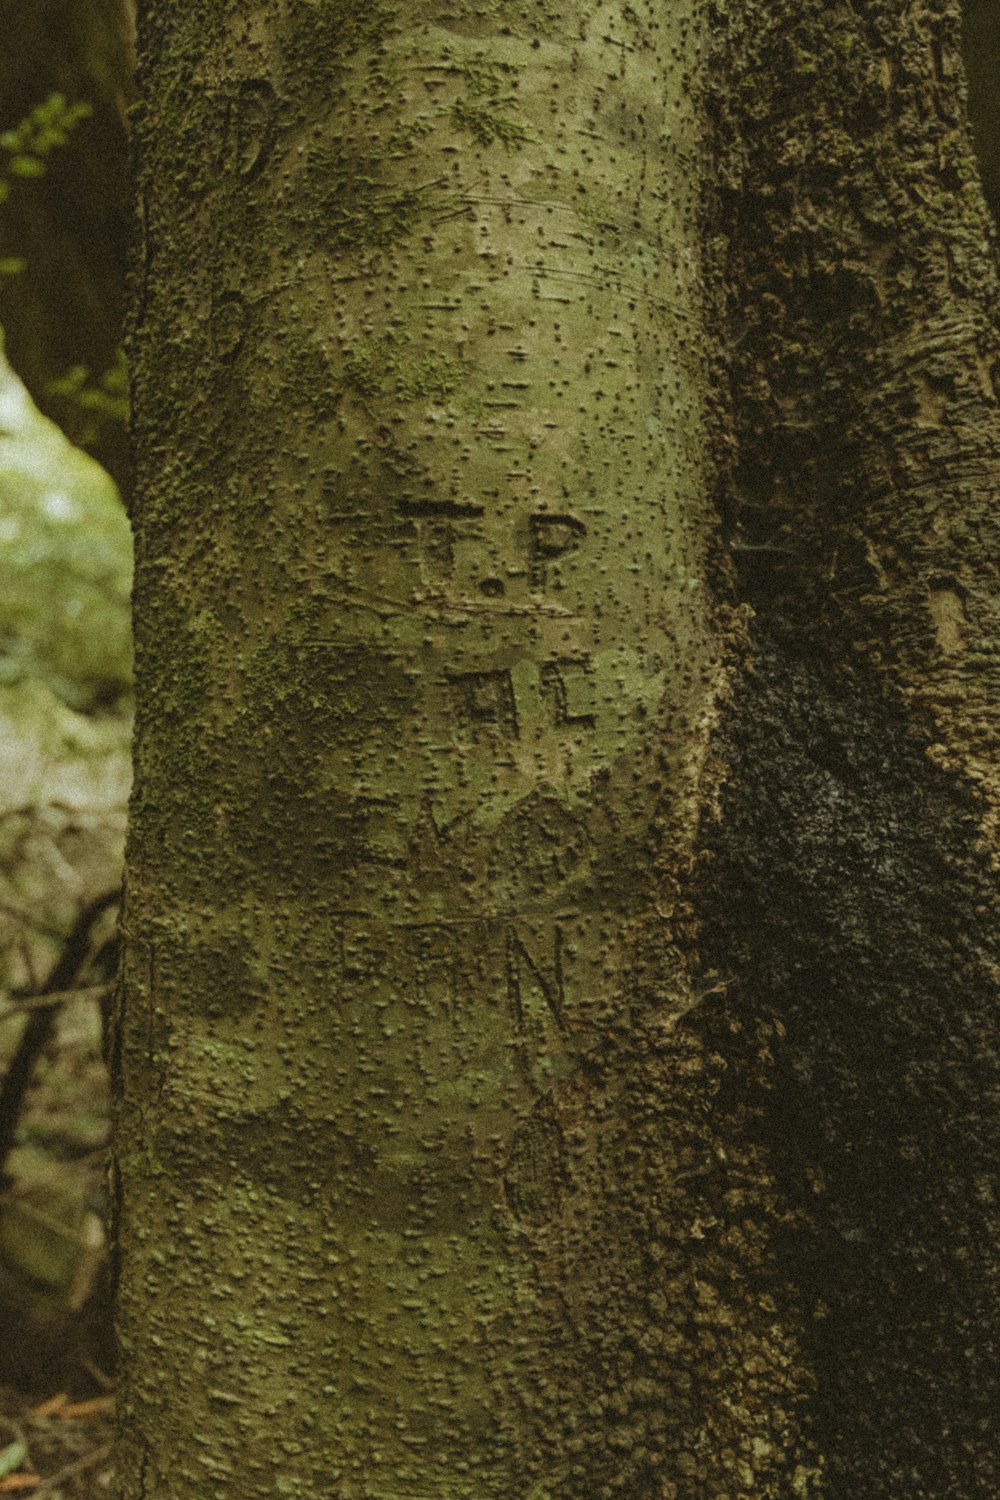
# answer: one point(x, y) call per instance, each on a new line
point(106, 397)
point(49, 125)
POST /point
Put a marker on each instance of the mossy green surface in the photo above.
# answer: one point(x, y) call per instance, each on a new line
point(422, 635)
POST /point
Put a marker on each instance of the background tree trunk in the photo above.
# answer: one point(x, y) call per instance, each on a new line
point(854, 869)
point(557, 1053)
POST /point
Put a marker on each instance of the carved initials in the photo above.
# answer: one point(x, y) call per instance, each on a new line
point(486, 700)
point(552, 537)
point(524, 973)
point(251, 128)
point(566, 683)
point(229, 321)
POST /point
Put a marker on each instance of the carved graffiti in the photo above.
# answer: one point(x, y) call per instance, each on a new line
point(533, 1181)
point(485, 701)
point(229, 322)
point(535, 993)
point(567, 684)
point(552, 537)
point(251, 128)
point(538, 847)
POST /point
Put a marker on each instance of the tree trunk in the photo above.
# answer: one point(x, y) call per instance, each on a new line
point(853, 890)
point(556, 1058)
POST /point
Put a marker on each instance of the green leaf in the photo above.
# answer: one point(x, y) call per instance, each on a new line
point(12, 1457)
point(70, 384)
point(49, 137)
point(50, 107)
point(107, 397)
point(12, 265)
point(27, 166)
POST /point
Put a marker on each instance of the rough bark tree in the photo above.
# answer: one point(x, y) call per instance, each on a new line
point(558, 1049)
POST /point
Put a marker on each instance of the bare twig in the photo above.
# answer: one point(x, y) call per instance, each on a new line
point(69, 967)
point(69, 1471)
point(17, 1005)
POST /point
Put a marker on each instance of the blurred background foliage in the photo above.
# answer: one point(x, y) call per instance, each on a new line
point(981, 45)
point(65, 664)
point(63, 313)
point(65, 675)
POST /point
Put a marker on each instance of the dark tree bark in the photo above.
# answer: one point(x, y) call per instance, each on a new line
point(853, 877)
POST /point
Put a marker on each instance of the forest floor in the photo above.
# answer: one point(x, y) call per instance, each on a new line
point(57, 1449)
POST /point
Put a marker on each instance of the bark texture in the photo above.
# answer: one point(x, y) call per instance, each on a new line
point(558, 1051)
point(425, 639)
point(854, 877)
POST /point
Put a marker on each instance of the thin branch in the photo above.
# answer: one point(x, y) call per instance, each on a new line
point(69, 967)
point(69, 1471)
point(16, 1005)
